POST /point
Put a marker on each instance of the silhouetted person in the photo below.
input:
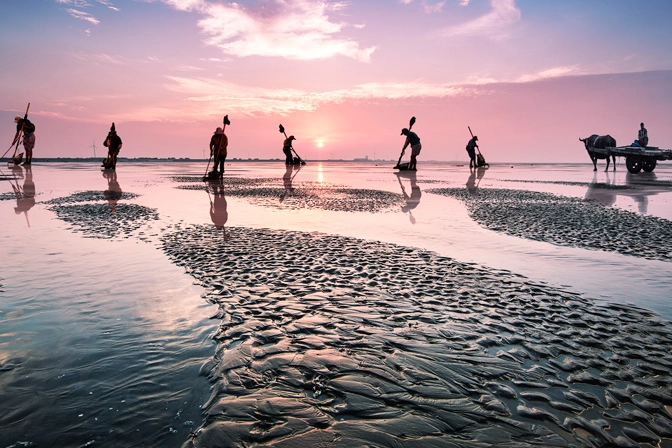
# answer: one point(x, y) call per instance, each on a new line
point(219, 143)
point(471, 150)
point(28, 128)
point(113, 192)
point(413, 140)
point(113, 144)
point(287, 149)
point(642, 136)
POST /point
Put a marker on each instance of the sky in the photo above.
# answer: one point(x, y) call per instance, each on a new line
point(529, 77)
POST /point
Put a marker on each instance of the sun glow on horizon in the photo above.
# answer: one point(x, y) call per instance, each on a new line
point(319, 142)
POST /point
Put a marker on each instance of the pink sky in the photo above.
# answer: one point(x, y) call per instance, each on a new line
point(529, 77)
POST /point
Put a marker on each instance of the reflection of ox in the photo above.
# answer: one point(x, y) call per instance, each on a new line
point(601, 142)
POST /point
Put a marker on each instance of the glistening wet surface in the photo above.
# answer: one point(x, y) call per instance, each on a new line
point(337, 340)
point(351, 306)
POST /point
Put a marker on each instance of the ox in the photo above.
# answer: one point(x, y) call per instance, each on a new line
point(600, 142)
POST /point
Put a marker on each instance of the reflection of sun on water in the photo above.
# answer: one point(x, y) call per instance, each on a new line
point(320, 178)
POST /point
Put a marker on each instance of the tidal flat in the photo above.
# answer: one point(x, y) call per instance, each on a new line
point(338, 304)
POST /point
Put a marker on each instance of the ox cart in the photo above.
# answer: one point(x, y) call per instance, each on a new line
point(636, 157)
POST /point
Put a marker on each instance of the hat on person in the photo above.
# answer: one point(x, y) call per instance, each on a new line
point(112, 129)
point(475, 137)
point(16, 119)
point(404, 131)
point(219, 131)
point(291, 137)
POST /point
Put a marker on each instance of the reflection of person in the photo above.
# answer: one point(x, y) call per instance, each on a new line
point(413, 200)
point(475, 174)
point(25, 197)
point(471, 150)
point(287, 149)
point(642, 136)
point(287, 179)
point(28, 128)
point(639, 191)
point(218, 149)
point(413, 140)
point(471, 182)
point(218, 212)
point(113, 192)
point(113, 144)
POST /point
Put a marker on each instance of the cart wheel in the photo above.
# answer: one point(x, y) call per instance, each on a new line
point(634, 164)
point(649, 165)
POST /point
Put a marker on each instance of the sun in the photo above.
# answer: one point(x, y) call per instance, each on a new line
point(319, 143)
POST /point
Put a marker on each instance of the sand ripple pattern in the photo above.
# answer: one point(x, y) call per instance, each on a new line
point(334, 341)
point(270, 192)
point(90, 196)
point(97, 220)
point(7, 196)
point(600, 185)
point(644, 179)
point(567, 221)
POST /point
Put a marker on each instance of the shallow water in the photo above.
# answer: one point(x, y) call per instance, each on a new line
point(102, 337)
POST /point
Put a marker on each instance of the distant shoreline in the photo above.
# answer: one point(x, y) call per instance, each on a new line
point(189, 160)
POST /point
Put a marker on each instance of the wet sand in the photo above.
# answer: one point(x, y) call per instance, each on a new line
point(271, 192)
point(329, 339)
point(348, 342)
point(567, 221)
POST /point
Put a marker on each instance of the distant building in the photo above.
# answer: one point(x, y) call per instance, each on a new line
point(365, 159)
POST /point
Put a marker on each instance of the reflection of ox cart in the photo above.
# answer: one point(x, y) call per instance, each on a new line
point(637, 158)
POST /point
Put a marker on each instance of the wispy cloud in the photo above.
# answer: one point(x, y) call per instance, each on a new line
point(199, 99)
point(192, 98)
point(188, 68)
point(83, 15)
point(431, 8)
point(550, 73)
point(108, 4)
point(98, 58)
point(77, 14)
point(205, 96)
point(292, 29)
point(75, 3)
point(494, 23)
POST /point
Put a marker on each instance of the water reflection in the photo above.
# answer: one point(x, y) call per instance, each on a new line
point(287, 180)
point(320, 176)
point(598, 193)
point(25, 194)
point(113, 192)
point(413, 200)
point(474, 175)
point(639, 187)
point(643, 189)
point(218, 206)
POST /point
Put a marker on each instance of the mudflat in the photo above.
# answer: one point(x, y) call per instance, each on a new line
point(337, 304)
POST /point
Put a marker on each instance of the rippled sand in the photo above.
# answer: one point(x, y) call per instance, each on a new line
point(328, 340)
point(271, 192)
point(567, 221)
point(88, 214)
point(334, 340)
